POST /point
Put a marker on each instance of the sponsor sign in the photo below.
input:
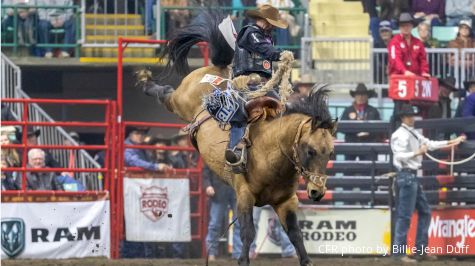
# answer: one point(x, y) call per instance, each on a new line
point(451, 232)
point(157, 209)
point(332, 231)
point(55, 230)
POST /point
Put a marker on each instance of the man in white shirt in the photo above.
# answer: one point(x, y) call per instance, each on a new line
point(408, 146)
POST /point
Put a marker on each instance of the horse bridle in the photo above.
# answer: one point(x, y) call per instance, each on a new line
point(316, 178)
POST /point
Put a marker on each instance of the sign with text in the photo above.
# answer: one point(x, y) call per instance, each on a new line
point(55, 230)
point(333, 231)
point(413, 88)
point(157, 209)
point(451, 232)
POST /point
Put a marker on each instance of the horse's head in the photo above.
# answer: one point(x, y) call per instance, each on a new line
point(314, 150)
point(313, 144)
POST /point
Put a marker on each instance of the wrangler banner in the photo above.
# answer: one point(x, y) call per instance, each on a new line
point(157, 209)
point(451, 232)
point(55, 230)
point(332, 231)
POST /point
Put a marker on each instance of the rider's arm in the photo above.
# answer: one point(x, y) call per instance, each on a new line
point(256, 42)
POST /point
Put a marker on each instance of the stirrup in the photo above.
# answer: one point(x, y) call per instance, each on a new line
point(239, 167)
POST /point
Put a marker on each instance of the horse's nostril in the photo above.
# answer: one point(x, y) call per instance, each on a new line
point(313, 193)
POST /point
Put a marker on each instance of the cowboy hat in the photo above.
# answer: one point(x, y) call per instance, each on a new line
point(269, 13)
point(406, 110)
point(469, 82)
point(159, 139)
point(361, 89)
point(130, 129)
point(406, 18)
point(448, 82)
point(305, 80)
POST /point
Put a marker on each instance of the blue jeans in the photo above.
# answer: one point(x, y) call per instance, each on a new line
point(217, 213)
point(285, 244)
point(410, 197)
point(44, 26)
point(149, 15)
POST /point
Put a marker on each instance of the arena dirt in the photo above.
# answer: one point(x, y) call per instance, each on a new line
point(226, 262)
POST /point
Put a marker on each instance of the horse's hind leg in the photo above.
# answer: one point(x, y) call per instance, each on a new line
point(288, 218)
point(245, 203)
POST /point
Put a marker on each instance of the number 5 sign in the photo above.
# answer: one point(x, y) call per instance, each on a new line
point(414, 88)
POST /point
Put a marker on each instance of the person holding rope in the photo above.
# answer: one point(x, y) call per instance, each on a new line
point(408, 146)
point(254, 54)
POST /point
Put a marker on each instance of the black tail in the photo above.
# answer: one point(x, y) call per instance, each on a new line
point(203, 28)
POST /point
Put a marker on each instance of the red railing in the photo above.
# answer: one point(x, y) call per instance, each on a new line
point(109, 165)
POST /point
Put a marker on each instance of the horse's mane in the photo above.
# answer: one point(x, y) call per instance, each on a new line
point(202, 28)
point(314, 105)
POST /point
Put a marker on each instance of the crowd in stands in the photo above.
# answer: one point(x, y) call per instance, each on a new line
point(39, 26)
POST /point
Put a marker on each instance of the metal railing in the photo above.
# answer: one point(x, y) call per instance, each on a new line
point(442, 63)
point(339, 61)
point(14, 31)
point(105, 21)
point(467, 69)
point(11, 88)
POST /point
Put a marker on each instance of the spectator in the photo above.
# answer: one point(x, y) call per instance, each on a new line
point(139, 157)
point(181, 159)
point(408, 146)
point(7, 114)
point(385, 34)
point(282, 35)
point(26, 19)
point(441, 109)
point(465, 39)
point(369, 6)
point(32, 139)
point(55, 18)
point(40, 180)
point(425, 35)
point(407, 56)
point(302, 88)
point(175, 18)
point(456, 10)
point(431, 11)
point(10, 181)
point(11, 156)
point(392, 9)
point(468, 108)
point(276, 234)
point(158, 155)
point(222, 199)
point(360, 110)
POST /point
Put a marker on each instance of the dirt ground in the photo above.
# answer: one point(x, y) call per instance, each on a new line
point(347, 261)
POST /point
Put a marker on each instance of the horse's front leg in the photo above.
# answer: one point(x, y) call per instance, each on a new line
point(287, 212)
point(245, 204)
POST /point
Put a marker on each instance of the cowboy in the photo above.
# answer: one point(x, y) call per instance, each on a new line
point(253, 55)
point(360, 110)
point(441, 109)
point(408, 146)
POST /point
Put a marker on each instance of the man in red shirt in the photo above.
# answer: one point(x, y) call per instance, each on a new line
point(407, 55)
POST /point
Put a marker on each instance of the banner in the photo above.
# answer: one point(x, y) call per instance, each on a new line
point(451, 232)
point(333, 231)
point(157, 209)
point(55, 230)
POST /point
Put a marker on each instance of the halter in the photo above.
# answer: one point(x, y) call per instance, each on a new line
point(316, 178)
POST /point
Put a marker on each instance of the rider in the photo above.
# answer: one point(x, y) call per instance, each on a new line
point(254, 54)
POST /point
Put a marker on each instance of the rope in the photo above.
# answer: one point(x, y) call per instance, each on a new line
point(471, 157)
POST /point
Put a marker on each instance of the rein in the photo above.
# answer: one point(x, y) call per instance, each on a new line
point(316, 178)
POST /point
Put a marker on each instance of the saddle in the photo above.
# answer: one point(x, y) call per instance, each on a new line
point(263, 108)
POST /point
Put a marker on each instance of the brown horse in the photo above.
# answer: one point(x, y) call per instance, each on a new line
point(300, 142)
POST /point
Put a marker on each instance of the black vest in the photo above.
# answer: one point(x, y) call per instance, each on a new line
point(246, 62)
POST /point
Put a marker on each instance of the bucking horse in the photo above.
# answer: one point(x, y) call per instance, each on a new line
point(298, 142)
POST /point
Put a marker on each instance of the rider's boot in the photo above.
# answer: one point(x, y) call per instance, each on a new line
point(237, 156)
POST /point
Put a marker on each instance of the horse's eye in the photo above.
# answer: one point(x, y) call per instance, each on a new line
point(311, 152)
point(332, 155)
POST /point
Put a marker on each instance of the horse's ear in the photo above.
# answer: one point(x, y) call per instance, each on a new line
point(334, 126)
